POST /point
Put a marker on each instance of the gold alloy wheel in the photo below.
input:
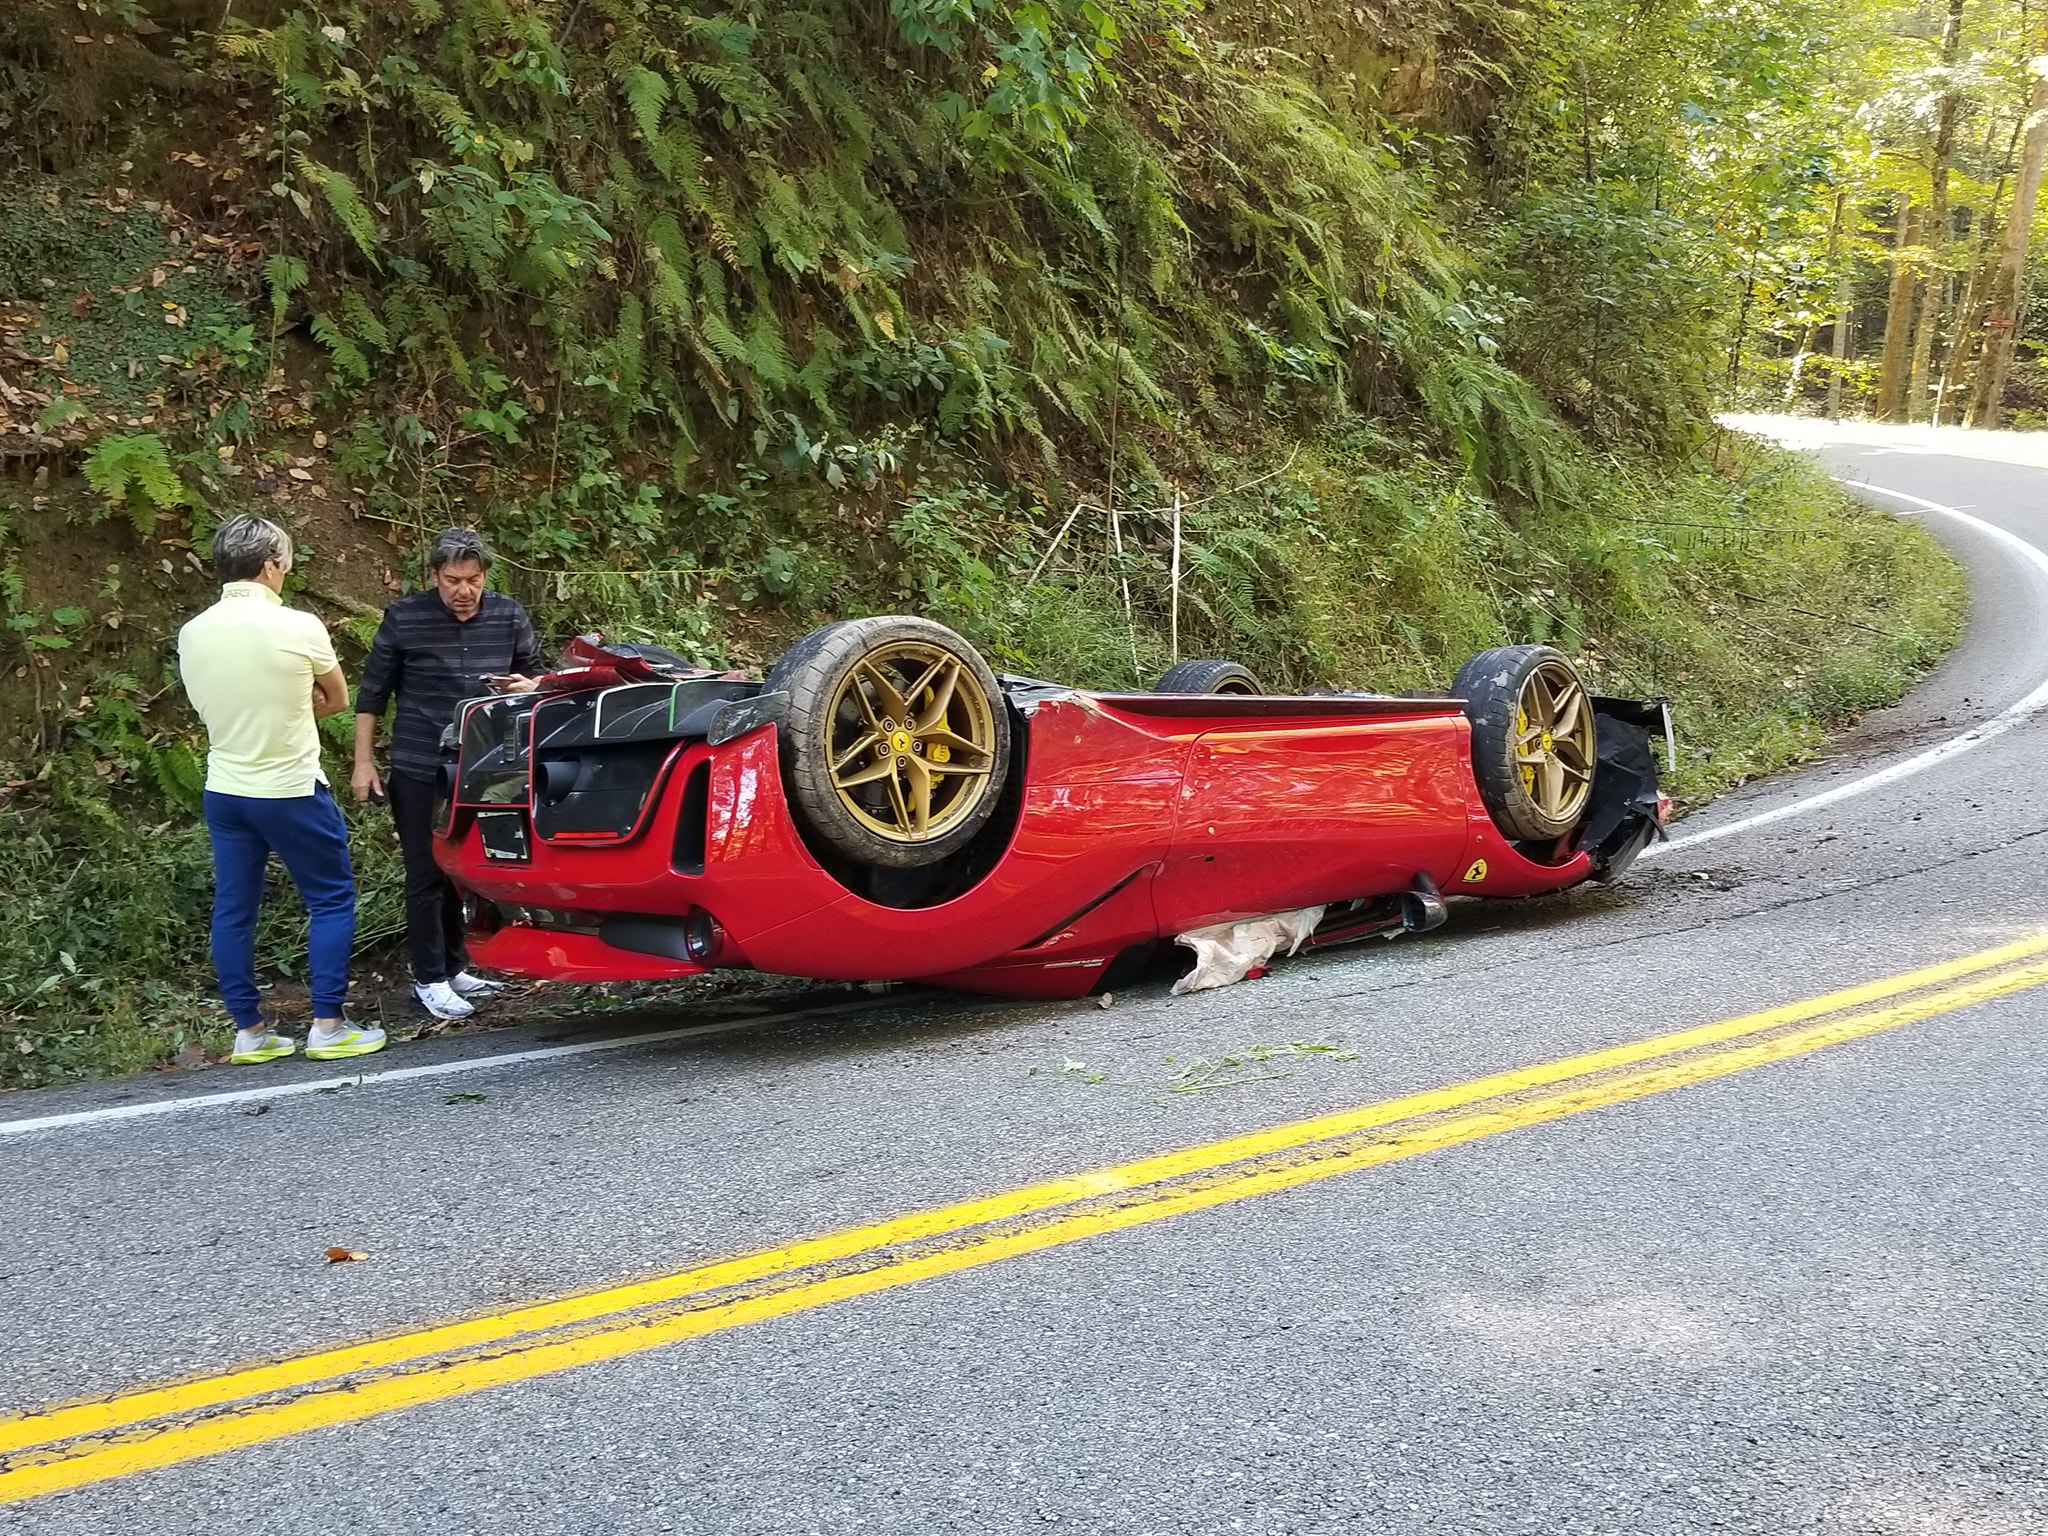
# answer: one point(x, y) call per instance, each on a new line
point(913, 741)
point(1554, 751)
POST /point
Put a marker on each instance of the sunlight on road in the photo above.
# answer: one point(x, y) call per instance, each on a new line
point(1956, 442)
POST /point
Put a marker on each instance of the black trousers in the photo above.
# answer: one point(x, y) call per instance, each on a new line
point(433, 909)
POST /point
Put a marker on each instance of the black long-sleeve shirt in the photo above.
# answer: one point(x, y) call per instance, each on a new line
point(433, 661)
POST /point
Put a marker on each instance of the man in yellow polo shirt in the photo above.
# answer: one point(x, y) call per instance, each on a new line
point(260, 674)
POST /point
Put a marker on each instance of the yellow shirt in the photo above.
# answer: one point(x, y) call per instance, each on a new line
point(248, 664)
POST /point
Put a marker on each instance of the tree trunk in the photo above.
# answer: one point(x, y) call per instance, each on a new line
point(1809, 338)
point(1841, 348)
point(1735, 345)
point(1970, 313)
point(1898, 316)
point(1895, 353)
point(1841, 282)
point(2003, 301)
point(1933, 276)
point(1949, 405)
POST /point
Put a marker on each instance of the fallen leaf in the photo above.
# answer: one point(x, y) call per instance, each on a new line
point(60, 354)
point(345, 1256)
point(82, 305)
point(465, 1098)
point(319, 439)
point(299, 474)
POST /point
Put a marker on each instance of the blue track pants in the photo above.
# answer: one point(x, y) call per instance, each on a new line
point(309, 836)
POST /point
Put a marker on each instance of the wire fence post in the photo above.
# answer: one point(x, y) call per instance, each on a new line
point(1116, 540)
point(1173, 611)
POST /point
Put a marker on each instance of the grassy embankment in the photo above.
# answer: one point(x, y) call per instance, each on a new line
point(720, 332)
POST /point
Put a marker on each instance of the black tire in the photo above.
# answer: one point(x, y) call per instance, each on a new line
point(1498, 686)
point(835, 716)
point(800, 650)
point(1211, 676)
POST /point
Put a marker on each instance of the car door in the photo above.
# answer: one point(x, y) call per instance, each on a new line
point(1272, 818)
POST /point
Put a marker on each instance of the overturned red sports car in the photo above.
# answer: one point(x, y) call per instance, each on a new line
point(884, 807)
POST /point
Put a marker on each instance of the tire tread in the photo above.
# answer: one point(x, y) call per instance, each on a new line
point(1205, 675)
point(1491, 686)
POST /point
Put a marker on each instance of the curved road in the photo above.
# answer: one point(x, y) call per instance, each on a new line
point(1779, 1269)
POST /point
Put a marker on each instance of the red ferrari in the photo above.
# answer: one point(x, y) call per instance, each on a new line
point(884, 807)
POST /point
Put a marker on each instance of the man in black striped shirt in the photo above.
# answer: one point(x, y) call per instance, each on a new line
point(434, 649)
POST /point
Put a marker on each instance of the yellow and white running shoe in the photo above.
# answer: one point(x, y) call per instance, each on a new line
point(348, 1039)
point(253, 1046)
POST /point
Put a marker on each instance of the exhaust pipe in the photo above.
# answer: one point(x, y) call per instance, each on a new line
point(1422, 908)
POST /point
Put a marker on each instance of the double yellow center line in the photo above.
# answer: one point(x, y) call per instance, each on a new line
point(66, 1447)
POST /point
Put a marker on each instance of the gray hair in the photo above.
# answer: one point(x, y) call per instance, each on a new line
point(459, 546)
point(243, 545)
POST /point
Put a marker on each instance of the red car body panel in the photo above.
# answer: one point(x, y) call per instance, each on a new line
point(1138, 817)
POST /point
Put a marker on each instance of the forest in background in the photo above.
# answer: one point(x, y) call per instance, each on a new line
point(1890, 272)
point(726, 318)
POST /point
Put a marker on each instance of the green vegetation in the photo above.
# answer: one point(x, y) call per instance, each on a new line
point(721, 319)
point(1882, 229)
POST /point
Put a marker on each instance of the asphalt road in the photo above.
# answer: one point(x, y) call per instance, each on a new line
point(1801, 1296)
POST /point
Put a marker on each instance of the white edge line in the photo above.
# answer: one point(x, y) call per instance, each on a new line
point(1996, 726)
point(401, 1074)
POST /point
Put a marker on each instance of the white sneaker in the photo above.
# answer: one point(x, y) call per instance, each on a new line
point(463, 984)
point(253, 1046)
point(335, 1042)
point(441, 1000)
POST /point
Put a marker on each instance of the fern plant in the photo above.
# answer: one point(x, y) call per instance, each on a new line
point(1087, 230)
point(132, 472)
